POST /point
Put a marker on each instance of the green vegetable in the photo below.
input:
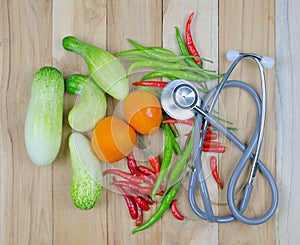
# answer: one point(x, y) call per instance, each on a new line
point(86, 187)
point(75, 83)
point(105, 69)
point(184, 50)
point(90, 108)
point(43, 125)
point(176, 170)
point(164, 206)
point(167, 156)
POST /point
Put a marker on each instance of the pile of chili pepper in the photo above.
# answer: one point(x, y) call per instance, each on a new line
point(210, 144)
point(166, 63)
point(142, 184)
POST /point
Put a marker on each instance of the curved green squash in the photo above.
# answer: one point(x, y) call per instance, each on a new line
point(86, 186)
point(105, 69)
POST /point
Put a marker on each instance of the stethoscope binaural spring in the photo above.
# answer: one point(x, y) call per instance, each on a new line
point(180, 99)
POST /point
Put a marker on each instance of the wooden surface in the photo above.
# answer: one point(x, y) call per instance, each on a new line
point(35, 204)
point(288, 116)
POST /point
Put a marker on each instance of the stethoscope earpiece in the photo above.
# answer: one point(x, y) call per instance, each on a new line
point(180, 100)
point(267, 62)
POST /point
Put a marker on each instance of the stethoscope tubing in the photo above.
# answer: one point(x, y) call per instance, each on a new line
point(198, 176)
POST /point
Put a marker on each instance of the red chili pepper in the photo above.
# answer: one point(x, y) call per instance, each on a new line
point(190, 122)
point(129, 177)
point(145, 190)
point(139, 220)
point(146, 171)
point(187, 121)
point(209, 143)
point(216, 149)
point(151, 84)
point(214, 171)
point(148, 191)
point(127, 184)
point(153, 160)
point(211, 136)
point(208, 136)
point(132, 166)
point(132, 207)
point(189, 40)
point(148, 199)
point(138, 199)
point(175, 211)
point(148, 179)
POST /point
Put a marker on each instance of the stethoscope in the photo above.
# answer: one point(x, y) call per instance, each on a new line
point(180, 99)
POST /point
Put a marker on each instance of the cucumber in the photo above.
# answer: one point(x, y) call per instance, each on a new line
point(75, 82)
point(105, 69)
point(90, 108)
point(86, 186)
point(43, 125)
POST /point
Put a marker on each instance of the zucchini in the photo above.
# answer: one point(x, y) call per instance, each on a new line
point(90, 108)
point(86, 186)
point(43, 125)
point(105, 69)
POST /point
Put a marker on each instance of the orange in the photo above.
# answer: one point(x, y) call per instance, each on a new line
point(143, 112)
point(112, 139)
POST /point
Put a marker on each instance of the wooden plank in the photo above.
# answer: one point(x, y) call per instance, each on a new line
point(139, 20)
point(25, 190)
point(287, 101)
point(248, 26)
point(205, 34)
point(85, 20)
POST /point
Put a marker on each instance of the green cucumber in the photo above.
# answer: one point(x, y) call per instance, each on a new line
point(105, 69)
point(90, 108)
point(86, 186)
point(43, 125)
point(75, 82)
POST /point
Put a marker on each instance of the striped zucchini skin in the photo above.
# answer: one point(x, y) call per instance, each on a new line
point(43, 125)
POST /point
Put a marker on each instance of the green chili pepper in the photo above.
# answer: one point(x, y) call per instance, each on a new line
point(156, 52)
point(164, 206)
point(157, 64)
point(176, 170)
point(176, 147)
point(156, 74)
point(184, 50)
point(167, 156)
point(187, 75)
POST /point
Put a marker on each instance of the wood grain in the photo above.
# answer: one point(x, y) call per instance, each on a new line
point(26, 199)
point(130, 19)
point(36, 206)
point(85, 20)
point(205, 35)
point(287, 101)
point(240, 30)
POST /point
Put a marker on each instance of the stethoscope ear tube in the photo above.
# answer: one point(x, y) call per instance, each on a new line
point(197, 176)
point(181, 100)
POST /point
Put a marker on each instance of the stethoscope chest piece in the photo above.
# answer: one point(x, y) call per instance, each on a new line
point(179, 98)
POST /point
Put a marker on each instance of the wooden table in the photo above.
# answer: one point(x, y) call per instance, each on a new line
point(36, 207)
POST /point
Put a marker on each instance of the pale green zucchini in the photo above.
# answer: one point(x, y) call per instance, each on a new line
point(90, 108)
point(86, 186)
point(105, 69)
point(43, 125)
